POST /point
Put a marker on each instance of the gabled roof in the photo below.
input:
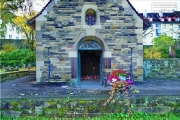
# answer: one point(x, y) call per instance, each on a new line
point(146, 23)
point(32, 21)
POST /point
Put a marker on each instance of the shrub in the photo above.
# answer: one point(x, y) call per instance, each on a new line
point(17, 57)
point(8, 47)
point(177, 53)
point(162, 44)
point(152, 52)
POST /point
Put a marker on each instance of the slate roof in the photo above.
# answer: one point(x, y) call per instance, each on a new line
point(157, 18)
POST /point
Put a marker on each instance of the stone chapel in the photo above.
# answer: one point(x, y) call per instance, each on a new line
point(87, 39)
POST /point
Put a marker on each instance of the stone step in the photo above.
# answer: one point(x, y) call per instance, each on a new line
point(58, 80)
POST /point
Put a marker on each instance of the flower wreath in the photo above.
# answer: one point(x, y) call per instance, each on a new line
point(117, 76)
point(120, 82)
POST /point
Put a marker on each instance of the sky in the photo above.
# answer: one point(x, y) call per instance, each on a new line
point(139, 5)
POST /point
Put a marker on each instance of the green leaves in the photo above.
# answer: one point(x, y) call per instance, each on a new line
point(8, 47)
point(8, 14)
point(162, 43)
point(152, 52)
point(29, 32)
point(178, 53)
point(8, 9)
point(160, 49)
point(17, 57)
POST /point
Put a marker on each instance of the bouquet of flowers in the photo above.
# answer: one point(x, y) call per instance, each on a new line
point(119, 76)
point(120, 82)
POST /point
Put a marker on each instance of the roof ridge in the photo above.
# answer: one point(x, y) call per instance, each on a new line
point(42, 10)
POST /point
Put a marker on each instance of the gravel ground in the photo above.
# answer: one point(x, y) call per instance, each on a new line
point(26, 87)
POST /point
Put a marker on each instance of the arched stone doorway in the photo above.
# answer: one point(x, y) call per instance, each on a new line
point(103, 56)
point(90, 62)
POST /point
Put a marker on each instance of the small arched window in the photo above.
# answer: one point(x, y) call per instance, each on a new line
point(90, 17)
point(89, 44)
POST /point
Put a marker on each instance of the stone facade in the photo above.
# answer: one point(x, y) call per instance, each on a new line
point(162, 68)
point(62, 26)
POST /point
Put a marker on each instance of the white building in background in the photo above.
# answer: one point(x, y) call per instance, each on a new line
point(157, 29)
point(12, 33)
point(161, 23)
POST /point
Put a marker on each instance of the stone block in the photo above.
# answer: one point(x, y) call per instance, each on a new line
point(139, 72)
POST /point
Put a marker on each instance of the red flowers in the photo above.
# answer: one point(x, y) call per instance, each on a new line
point(115, 75)
point(118, 72)
point(119, 75)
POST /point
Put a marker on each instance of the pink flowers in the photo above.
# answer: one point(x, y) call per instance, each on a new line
point(130, 82)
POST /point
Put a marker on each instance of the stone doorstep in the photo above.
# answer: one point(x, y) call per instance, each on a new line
point(61, 80)
point(51, 81)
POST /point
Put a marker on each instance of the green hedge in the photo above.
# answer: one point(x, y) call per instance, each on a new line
point(17, 58)
point(177, 53)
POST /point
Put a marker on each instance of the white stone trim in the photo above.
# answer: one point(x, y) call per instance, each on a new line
point(107, 54)
point(41, 16)
point(138, 31)
point(90, 31)
point(38, 27)
point(72, 54)
point(38, 71)
point(140, 60)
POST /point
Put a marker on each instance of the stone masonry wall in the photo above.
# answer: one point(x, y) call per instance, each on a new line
point(162, 68)
point(60, 25)
point(79, 108)
point(121, 28)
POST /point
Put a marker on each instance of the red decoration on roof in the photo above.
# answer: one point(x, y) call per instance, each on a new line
point(166, 18)
point(174, 18)
point(163, 17)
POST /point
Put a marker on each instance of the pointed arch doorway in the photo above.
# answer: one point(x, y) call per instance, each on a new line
point(90, 63)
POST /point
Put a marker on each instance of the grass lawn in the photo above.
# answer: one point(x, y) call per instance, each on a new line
point(135, 116)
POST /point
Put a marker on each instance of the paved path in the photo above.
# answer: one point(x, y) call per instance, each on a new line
point(25, 87)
